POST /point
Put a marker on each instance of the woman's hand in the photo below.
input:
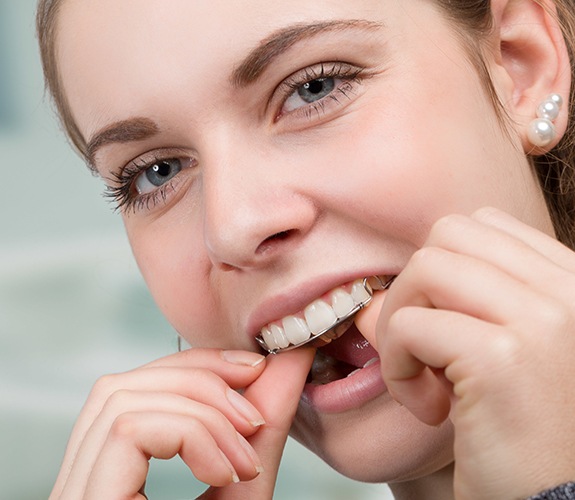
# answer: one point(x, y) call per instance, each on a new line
point(480, 327)
point(276, 393)
point(183, 404)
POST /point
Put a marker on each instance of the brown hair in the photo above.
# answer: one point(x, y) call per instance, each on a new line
point(555, 170)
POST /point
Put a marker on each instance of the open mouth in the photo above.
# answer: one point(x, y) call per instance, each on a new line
point(342, 358)
point(325, 319)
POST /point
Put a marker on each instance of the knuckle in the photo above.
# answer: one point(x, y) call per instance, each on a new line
point(504, 355)
point(425, 260)
point(124, 427)
point(555, 315)
point(215, 417)
point(506, 349)
point(447, 225)
point(104, 386)
point(205, 378)
point(117, 399)
point(205, 412)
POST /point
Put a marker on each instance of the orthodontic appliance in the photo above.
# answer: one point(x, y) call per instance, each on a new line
point(341, 325)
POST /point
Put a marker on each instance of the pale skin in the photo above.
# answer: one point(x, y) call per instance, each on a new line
point(276, 197)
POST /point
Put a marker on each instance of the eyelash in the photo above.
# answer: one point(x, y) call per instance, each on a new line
point(351, 76)
point(121, 189)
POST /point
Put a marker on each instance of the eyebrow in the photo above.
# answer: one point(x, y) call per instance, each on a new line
point(134, 129)
point(259, 59)
point(246, 73)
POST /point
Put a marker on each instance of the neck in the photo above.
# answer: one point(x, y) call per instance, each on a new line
point(437, 486)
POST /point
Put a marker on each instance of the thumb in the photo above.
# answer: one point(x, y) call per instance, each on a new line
point(276, 394)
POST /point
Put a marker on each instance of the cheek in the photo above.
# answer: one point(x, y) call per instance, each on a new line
point(176, 270)
point(387, 175)
point(411, 165)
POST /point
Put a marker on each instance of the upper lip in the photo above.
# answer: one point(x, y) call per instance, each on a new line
point(295, 298)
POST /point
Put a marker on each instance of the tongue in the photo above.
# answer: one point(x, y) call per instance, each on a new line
point(341, 357)
point(352, 348)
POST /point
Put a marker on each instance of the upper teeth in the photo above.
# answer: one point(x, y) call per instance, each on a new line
point(318, 317)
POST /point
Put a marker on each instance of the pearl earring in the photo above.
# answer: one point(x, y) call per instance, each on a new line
point(541, 131)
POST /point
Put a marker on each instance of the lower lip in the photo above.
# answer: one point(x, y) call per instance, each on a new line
point(346, 394)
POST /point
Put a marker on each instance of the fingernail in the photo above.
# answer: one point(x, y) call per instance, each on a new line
point(242, 358)
point(251, 453)
point(245, 408)
point(235, 477)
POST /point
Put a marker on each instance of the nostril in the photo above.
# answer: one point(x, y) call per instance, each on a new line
point(280, 236)
point(271, 241)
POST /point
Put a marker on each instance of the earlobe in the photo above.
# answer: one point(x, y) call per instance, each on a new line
point(533, 65)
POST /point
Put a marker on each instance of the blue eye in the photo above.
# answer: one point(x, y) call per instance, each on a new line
point(157, 175)
point(150, 179)
point(311, 92)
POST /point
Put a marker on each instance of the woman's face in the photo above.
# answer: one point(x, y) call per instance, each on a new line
point(283, 149)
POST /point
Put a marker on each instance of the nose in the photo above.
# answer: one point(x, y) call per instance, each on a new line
point(253, 210)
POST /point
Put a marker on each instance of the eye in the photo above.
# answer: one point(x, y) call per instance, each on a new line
point(157, 175)
point(311, 92)
point(317, 90)
point(151, 179)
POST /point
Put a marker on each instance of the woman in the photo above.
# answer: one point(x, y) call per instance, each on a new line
point(267, 156)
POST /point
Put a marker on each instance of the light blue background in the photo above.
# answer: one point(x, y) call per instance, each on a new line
point(72, 304)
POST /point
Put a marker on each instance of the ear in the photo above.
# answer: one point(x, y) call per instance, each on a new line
point(531, 62)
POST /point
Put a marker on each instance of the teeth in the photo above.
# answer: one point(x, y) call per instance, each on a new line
point(268, 338)
point(376, 283)
point(296, 329)
point(359, 293)
point(279, 336)
point(372, 361)
point(369, 363)
point(319, 316)
point(342, 302)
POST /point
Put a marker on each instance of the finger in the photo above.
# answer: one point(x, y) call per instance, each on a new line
point(439, 278)
point(193, 374)
point(278, 390)
point(122, 466)
point(227, 438)
point(539, 241)
point(226, 363)
point(366, 319)
point(200, 385)
point(277, 394)
point(526, 254)
point(196, 373)
point(421, 346)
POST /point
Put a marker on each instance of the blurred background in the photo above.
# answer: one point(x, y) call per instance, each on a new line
point(72, 304)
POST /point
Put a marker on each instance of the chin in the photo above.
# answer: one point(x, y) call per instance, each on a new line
point(378, 443)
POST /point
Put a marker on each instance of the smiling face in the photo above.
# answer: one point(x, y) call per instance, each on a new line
point(267, 153)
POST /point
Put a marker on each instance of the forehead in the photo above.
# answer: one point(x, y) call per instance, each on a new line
point(122, 57)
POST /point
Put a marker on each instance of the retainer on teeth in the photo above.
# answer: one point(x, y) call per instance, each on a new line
point(341, 324)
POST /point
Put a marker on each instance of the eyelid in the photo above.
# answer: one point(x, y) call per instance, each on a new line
point(319, 70)
point(115, 168)
point(120, 187)
point(329, 69)
point(150, 157)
